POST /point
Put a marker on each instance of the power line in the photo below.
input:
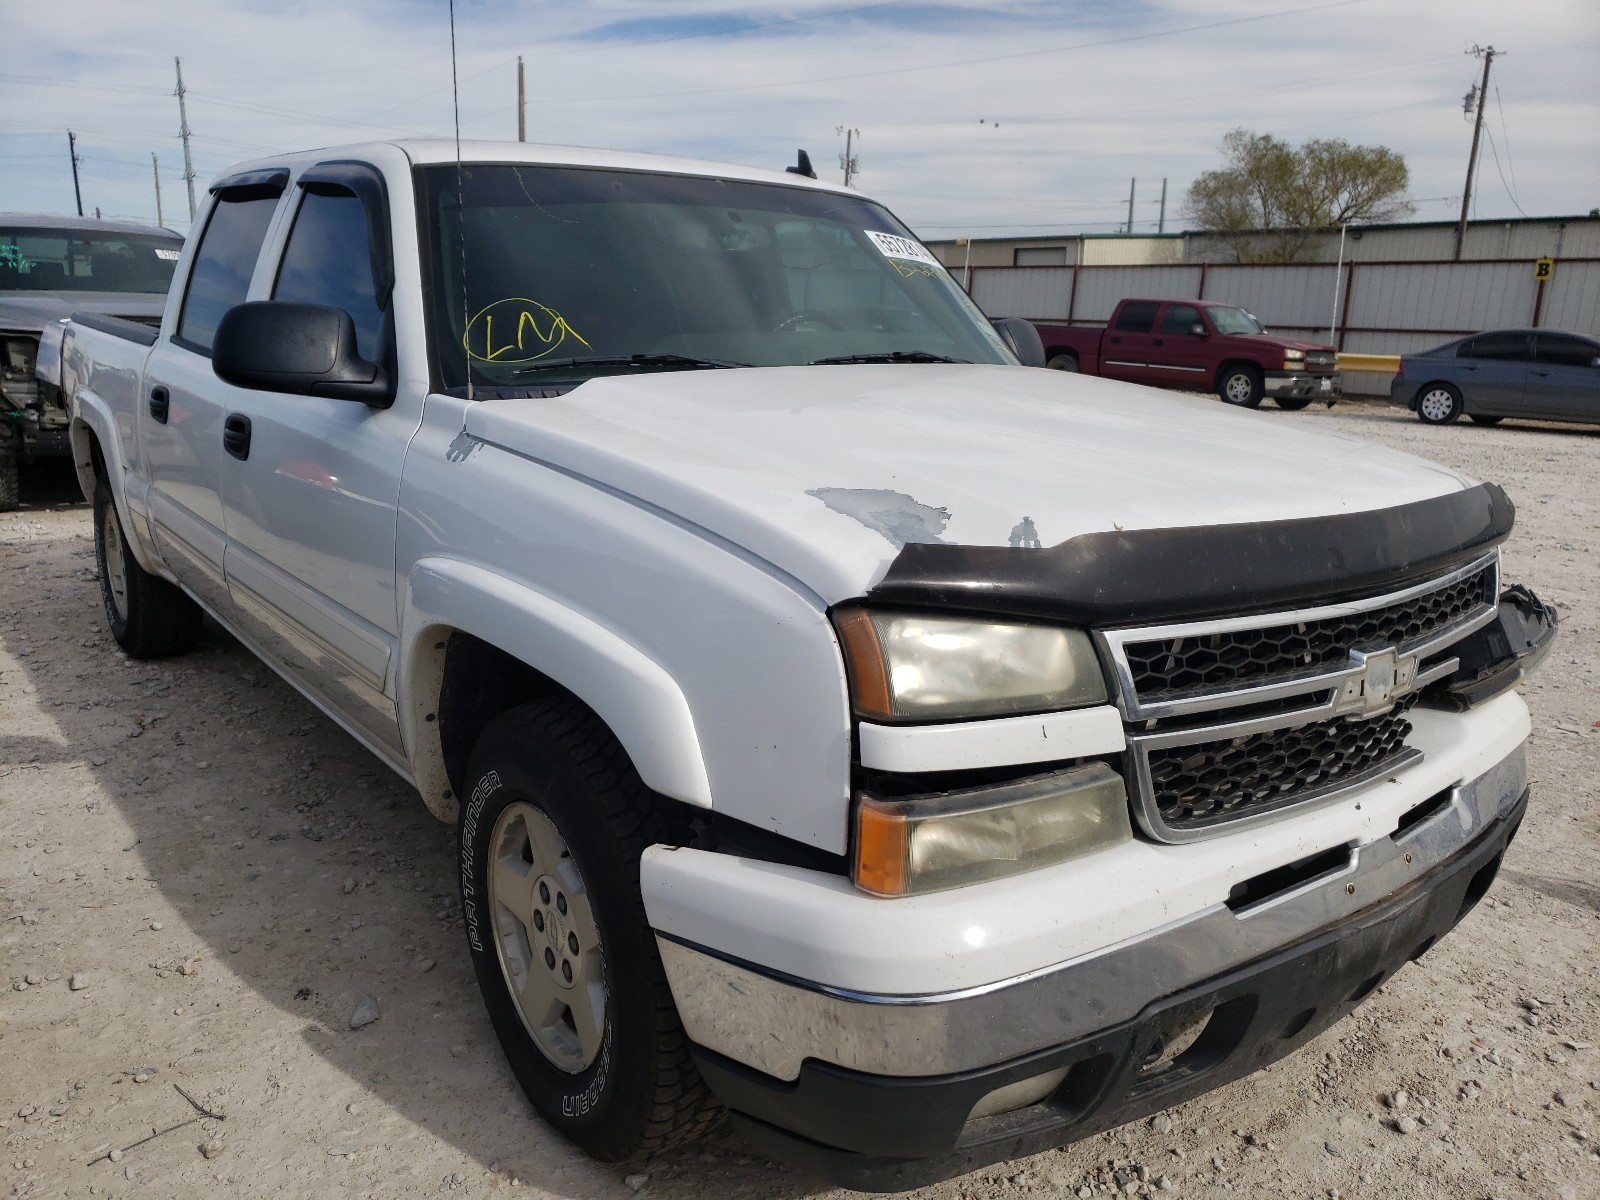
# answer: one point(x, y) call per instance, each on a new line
point(1505, 135)
point(1496, 153)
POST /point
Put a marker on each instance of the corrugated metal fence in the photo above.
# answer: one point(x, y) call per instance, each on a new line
point(1371, 307)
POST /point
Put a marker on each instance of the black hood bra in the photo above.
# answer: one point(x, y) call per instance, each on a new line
point(1146, 575)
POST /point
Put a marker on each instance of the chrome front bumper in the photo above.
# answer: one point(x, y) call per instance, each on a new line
point(775, 1023)
point(1295, 383)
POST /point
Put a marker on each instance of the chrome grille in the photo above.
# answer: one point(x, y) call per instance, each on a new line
point(1236, 719)
point(1204, 784)
point(1228, 658)
point(1322, 359)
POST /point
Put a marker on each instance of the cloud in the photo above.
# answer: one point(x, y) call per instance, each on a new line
point(1020, 116)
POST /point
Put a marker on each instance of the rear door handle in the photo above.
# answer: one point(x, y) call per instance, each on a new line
point(1541, 373)
point(1160, 342)
point(160, 402)
point(236, 436)
point(1116, 339)
point(1469, 368)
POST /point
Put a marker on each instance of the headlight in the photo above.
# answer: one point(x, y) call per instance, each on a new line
point(1292, 358)
point(911, 667)
point(931, 843)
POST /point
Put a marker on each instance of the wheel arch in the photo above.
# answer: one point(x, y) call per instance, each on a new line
point(475, 643)
point(1229, 364)
point(1417, 392)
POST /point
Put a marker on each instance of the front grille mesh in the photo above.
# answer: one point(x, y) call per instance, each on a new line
point(1184, 665)
point(1206, 783)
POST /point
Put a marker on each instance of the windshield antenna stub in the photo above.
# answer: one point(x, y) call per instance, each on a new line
point(802, 166)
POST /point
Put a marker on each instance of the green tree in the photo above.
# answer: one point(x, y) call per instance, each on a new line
point(1269, 198)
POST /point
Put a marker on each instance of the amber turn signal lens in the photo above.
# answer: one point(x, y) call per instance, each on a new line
point(863, 655)
point(882, 839)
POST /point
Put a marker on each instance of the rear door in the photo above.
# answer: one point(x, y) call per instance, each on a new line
point(181, 412)
point(1491, 370)
point(1126, 345)
point(1180, 357)
point(1564, 382)
point(310, 505)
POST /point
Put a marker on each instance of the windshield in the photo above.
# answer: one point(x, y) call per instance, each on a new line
point(638, 271)
point(1233, 320)
point(48, 260)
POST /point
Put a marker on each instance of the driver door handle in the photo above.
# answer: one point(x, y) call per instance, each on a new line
point(236, 436)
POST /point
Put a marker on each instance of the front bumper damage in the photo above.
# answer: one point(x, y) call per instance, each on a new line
point(1300, 384)
point(884, 1093)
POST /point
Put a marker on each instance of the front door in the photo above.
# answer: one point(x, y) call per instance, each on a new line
point(1179, 357)
point(1564, 382)
point(310, 507)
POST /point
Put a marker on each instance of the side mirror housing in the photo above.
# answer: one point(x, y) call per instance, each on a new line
point(301, 349)
point(1022, 339)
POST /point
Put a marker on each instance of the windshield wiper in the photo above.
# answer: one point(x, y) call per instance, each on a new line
point(628, 360)
point(890, 356)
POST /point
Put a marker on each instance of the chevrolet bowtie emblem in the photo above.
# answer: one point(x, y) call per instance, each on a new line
point(1378, 679)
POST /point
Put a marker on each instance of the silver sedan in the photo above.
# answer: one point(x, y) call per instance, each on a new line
point(1537, 374)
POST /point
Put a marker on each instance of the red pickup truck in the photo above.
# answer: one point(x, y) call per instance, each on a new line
point(1197, 346)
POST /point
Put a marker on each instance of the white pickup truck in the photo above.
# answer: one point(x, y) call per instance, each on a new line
point(927, 759)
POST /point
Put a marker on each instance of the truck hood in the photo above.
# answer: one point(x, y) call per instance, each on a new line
point(1286, 343)
point(825, 473)
point(29, 312)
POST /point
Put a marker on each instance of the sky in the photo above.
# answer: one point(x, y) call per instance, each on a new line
point(1011, 117)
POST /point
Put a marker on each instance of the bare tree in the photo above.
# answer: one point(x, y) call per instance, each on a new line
point(1269, 199)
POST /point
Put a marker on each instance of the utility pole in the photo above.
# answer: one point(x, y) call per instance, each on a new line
point(522, 104)
point(1161, 226)
point(1477, 131)
point(1132, 183)
point(155, 166)
point(183, 132)
point(72, 151)
point(849, 159)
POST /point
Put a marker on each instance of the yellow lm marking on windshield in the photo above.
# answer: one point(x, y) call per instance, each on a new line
point(516, 330)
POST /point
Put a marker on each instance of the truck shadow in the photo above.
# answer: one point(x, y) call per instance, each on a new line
point(317, 879)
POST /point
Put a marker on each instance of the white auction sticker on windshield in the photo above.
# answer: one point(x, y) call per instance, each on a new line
point(891, 246)
point(167, 255)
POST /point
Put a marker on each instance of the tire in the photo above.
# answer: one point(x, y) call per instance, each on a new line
point(1480, 419)
point(549, 839)
point(1292, 403)
point(1241, 386)
point(1064, 362)
point(1439, 404)
point(149, 617)
point(10, 482)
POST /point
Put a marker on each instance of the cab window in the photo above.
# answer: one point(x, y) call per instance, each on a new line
point(327, 261)
point(1138, 316)
point(1180, 319)
point(223, 265)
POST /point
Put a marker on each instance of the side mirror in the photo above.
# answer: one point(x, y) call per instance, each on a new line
point(302, 349)
point(1197, 330)
point(1022, 338)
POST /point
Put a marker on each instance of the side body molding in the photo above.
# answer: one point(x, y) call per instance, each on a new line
point(640, 702)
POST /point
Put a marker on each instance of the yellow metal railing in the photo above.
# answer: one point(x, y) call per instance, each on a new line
point(1384, 364)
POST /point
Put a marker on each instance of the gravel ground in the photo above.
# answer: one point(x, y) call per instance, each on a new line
point(204, 879)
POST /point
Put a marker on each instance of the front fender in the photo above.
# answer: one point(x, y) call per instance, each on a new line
point(633, 694)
